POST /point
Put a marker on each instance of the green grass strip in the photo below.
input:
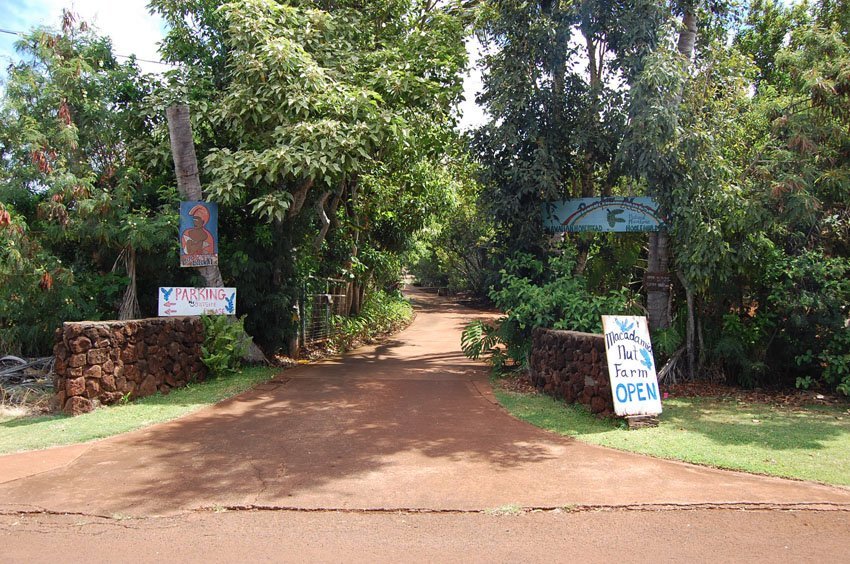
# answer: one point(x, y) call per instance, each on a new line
point(809, 443)
point(30, 433)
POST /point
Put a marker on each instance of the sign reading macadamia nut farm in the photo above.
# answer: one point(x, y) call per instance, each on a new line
point(631, 365)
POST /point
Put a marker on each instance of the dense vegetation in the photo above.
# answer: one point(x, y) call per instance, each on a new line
point(326, 132)
point(736, 122)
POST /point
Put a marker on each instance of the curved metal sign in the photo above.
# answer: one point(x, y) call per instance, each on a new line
point(609, 213)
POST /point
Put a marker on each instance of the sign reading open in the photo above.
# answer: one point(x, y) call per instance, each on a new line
point(631, 365)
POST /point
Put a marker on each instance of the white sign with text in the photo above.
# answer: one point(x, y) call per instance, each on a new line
point(631, 365)
point(177, 300)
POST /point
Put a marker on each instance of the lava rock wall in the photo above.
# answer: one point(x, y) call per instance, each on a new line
point(571, 366)
point(104, 362)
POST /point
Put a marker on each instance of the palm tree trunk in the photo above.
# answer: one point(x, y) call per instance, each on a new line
point(186, 169)
point(189, 187)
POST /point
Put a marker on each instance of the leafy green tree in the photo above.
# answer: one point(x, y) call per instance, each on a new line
point(330, 126)
point(80, 178)
point(550, 88)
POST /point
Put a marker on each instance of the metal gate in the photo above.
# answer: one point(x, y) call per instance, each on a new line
point(322, 299)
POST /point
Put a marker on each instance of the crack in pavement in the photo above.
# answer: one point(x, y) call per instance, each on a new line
point(507, 510)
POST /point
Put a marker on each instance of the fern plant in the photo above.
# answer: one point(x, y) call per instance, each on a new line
point(224, 344)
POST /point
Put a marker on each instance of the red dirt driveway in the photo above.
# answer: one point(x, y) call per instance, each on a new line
point(409, 424)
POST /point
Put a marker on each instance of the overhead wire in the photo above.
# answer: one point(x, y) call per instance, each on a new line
point(21, 34)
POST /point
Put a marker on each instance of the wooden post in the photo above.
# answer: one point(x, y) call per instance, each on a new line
point(641, 421)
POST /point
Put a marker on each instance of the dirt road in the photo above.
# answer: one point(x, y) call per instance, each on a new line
point(397, 451)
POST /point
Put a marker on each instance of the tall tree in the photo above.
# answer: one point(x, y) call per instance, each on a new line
point(76, 142)
point(554, 117)
point(330, 128)
point(186, 170)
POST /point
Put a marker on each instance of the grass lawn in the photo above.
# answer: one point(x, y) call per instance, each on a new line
point(810, 443)
point(30, 433)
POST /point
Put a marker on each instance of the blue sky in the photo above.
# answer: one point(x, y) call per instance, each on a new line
point(134, 31)
point(127, 22)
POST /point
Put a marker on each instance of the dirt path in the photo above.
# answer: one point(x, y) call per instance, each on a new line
point(406, 426)
point(282, 536)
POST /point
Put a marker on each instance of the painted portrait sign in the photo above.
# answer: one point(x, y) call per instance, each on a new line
point(613, 214)
point(631, 365)
point(198, 234)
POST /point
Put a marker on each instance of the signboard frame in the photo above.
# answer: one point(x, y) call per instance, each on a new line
point(198, 234)
point(631, 365)
point(176, 301)
point(613, 214)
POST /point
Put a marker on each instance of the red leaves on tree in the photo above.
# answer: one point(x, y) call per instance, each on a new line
point(65, 112)
point(41, 159)
point(46, 282)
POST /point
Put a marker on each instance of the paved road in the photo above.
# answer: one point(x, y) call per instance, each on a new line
point(409, 426)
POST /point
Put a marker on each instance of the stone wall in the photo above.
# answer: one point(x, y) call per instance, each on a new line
point(102, 362)
point(572, 366)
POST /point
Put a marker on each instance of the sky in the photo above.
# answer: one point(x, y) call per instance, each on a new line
point(135, 31)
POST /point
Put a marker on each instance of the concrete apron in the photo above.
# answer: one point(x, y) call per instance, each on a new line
point(408, 424)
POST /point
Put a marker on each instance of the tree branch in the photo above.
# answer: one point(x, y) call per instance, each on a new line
point(323, 219)
point(299, 197)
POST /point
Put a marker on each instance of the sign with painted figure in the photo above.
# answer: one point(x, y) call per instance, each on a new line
point(198, 234)
point(631, 365)
point(608, 213)
point(177, 300)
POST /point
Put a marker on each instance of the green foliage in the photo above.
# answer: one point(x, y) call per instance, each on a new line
point(330, 141)
point(536, 295)
point(455, 251)
point(562, 301)
point(809, 295)
point(84, 184)
point(553, 127)
point(667, 341)
point(382, 313)
point(224, 345)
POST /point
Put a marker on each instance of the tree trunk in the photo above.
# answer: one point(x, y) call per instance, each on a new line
point(189, 187)
point(690, 334)
point(688, 35)
point(186, 169)
point(130, 303)
point(658, 291)
point(658, 294)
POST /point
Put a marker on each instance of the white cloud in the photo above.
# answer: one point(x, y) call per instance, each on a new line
point(127, 22)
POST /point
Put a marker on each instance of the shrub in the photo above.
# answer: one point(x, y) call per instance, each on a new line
point(383, 312)
point(559, 300)
point(225, 342)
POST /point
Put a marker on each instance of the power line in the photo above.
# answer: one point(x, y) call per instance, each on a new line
point(21, 34)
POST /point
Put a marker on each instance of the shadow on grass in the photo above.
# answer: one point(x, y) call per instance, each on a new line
point(110, 420)
point(722, 422)
point(766, 426)
point(27, 421)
